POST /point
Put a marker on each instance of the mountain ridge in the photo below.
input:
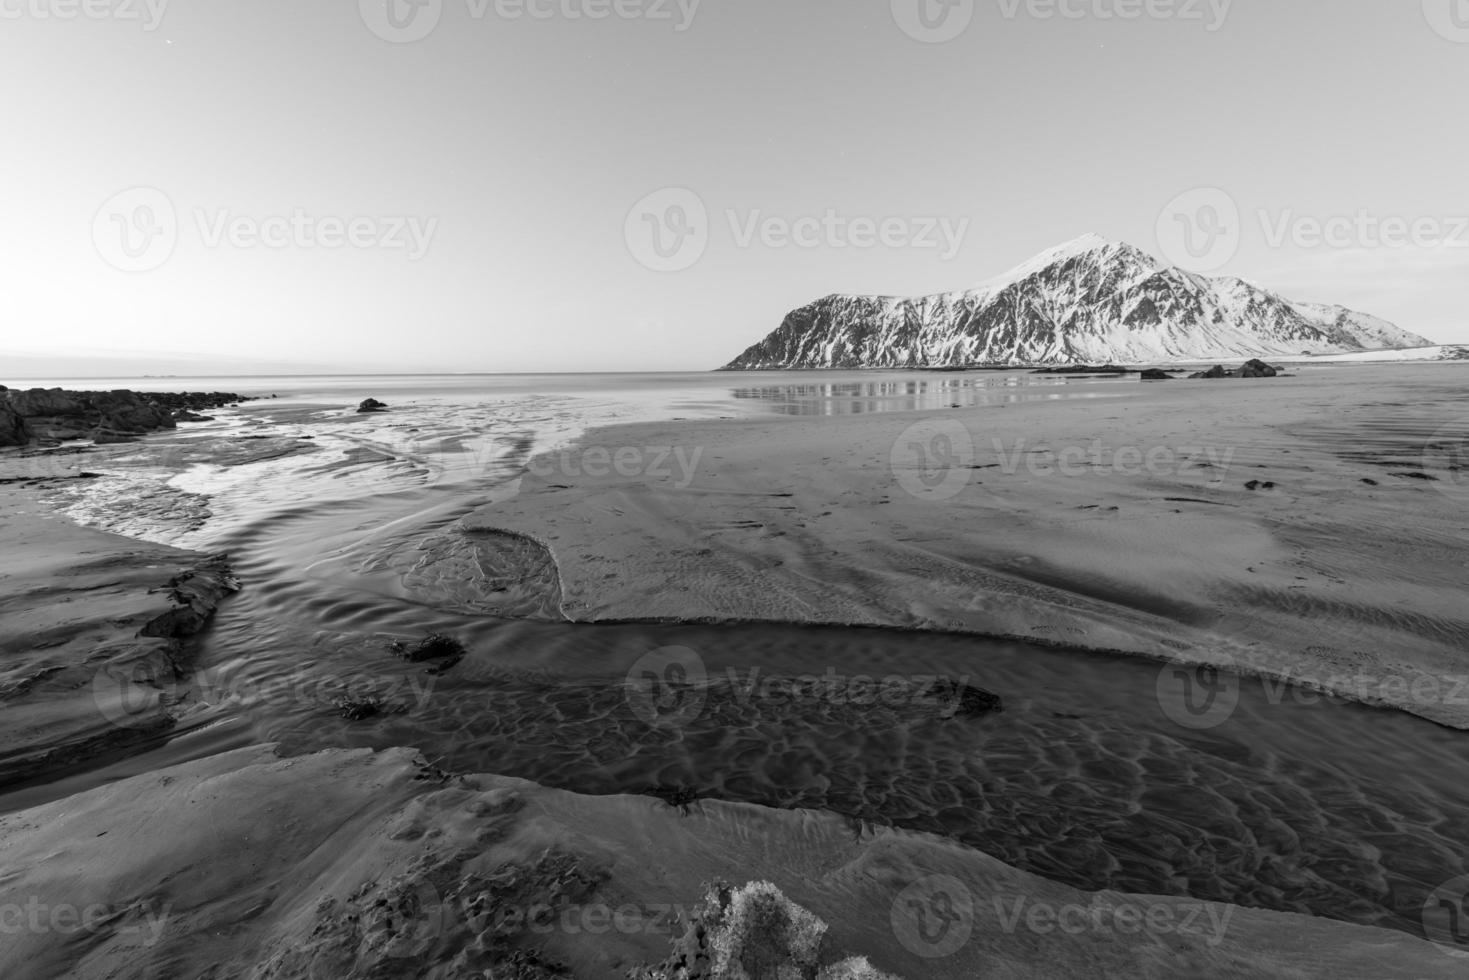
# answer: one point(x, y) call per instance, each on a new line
point(1089, 300)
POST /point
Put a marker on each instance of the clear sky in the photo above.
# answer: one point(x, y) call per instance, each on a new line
point(311, 182)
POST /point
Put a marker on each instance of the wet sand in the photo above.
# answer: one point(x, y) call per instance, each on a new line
point(397, 526)
point(386, 865)
point(1305, 528)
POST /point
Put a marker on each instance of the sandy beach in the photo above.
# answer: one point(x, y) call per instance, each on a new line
point(1298, 528)
point(201, 805)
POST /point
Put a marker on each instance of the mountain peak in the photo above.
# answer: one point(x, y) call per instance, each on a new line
point(1087, 245)
point(1088, 301)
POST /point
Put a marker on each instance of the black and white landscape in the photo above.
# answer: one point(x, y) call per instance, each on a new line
point(398, 577)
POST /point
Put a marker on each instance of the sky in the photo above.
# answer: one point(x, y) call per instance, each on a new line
point(649, 185)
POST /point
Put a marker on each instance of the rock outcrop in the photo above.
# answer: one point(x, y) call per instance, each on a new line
point(1252, 369)
point(48, 416)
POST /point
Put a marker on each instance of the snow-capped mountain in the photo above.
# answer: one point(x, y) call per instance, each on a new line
point(1088, 301)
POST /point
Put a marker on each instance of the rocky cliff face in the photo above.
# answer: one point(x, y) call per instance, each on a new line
point(1089, 301)
point(48, 416)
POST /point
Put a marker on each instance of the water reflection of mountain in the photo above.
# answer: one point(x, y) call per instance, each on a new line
point(916, 395)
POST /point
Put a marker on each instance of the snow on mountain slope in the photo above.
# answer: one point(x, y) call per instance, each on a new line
point(1087, 301)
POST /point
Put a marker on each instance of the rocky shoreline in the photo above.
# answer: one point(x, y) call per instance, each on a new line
point(51, 416)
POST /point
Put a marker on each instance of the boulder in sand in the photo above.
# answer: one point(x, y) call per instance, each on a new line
point(370, 406)
point(1258, 369)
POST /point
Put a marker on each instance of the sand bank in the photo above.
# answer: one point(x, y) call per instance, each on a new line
point(87, 621)
point(226, 867)
point(1305, 528)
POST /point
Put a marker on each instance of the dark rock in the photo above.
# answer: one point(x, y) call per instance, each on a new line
point(51, 415)
point(40, 402)
point(13, 430)
point(1258, 485)
point(1258, 369)
point(187, 416)
point(108, 437)
point(435, 646)
point(195, 594)
point(371, 405)
point(1083, 369)
point(359, 709)
point(1156, 375)
point(974, 702)
point(1215, 372)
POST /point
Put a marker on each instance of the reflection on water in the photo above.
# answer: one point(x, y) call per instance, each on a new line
point(646, 396)
point(927, 392)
